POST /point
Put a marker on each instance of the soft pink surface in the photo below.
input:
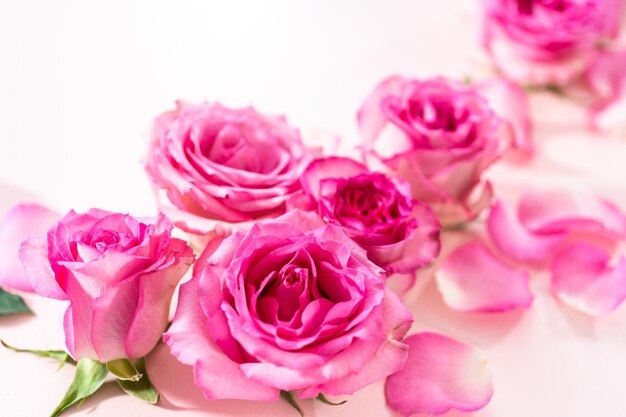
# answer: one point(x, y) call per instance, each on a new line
point(547, 361)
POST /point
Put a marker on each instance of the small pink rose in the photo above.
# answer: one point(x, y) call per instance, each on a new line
point(292, 304)
point(214, 166)
point(378, 212)
point(545, 41)
point(438, 135)
point(117, 272)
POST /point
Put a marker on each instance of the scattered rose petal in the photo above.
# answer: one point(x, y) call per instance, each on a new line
point(584, 278)
point(20, 223)
point(472, 279)
point(440, 374)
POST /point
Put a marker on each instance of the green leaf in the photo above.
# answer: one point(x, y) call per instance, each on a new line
point(60, 355)
point(288, 396)
point(321, 397)
point(89, 377)
point(141, 389)
point(124, 369)
point(12, 304)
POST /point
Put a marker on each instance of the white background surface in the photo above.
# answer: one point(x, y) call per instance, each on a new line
point(81, 80)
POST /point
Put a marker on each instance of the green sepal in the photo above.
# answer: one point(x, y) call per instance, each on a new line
point(124, 370)
point(89, 376)
point(322, 398)
point(142, 388)
point(288, 397)
point(60, 355)
point(12, 304)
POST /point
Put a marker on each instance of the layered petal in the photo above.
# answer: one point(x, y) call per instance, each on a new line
point(517, 242)
point(20, 223)
point(473, 279)
point(214, 373)
point(440, 374)
point(585, 278)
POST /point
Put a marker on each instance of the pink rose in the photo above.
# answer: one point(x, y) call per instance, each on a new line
point(292, 304)
point(117, 272)
point(438, 135)
point(378, 212)
point(218, 166)
point(547, 41)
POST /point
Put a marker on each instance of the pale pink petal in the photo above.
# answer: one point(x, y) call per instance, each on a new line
point(20, 223)
point(112, 316)
point(440, 374)
point(370, 117)
point(34, 256)
point(514, 240)
point(569, 208)
point(472, 279)
point(510, 102)
point(610, 116)
point(217, 375)
point(584, 277)
point(332, 167)
point(605, 75)
point(155, 296)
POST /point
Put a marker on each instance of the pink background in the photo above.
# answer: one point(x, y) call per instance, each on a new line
point(80, 82)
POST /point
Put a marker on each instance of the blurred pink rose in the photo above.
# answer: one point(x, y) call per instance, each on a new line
point(378, 212)
point(606, 77)
point(117, 272)
point(547, 41)
point(219, 166)
point(292, 304)
point(438, 135)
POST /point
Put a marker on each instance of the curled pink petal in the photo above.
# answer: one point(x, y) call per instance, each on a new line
point(550, 209)
point(583, 277)
point(332, 167)
point(513, 239)
point(510, 102)
point(20, 223)
point(440, 374)
point(472, 279)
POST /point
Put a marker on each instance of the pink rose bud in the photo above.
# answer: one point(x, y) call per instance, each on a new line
point(292, 304)
point(215, 166)
point(439, 136)
point(117, 272)
point(547, 41)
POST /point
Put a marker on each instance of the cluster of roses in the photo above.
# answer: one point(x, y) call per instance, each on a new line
point(289, 290)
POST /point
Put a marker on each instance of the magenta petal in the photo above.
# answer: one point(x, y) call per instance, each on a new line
point(512, 238)
point(472, 279)
point(583, 278)
point(20, 223)
point(440, 374)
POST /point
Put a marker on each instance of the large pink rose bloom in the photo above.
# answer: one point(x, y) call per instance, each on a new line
point(438, 135)
point(117, 272)
point(215, 166)
point(547, 41)
point(399, 233)
point(292, 304)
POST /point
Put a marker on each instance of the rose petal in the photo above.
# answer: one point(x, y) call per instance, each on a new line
point(20, 223)
point(512, 238)
point(568, 208)
point(472, 279)
point(332, 167)
point(510, 102)
point(440, 374)
point(605, 75)
point(189, 341)
point(583, 278)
